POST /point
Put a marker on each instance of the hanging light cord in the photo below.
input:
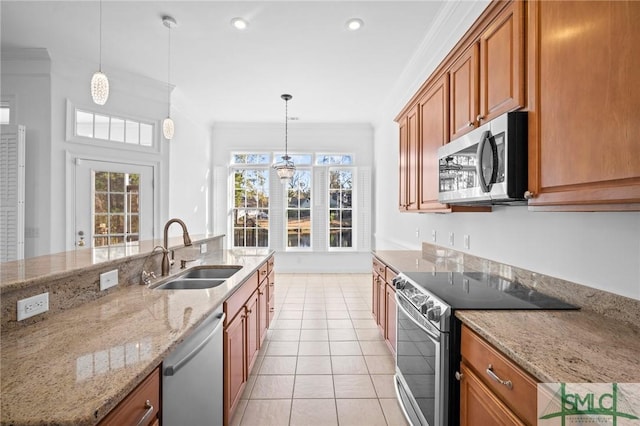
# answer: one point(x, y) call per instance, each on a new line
point(100, 38)
point(169, 74)
point(286, 129)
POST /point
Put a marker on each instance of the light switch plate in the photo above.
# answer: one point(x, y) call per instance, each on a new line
point(33, 305)
point(108, 279)
point(466, 242)
point(203, 248)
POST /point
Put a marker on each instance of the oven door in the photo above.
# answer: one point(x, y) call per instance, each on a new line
point(421, 366)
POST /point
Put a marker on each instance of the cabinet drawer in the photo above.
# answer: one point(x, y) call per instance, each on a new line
point(379, 268)
point(521, 397)
point(142, 402)
point(391, 274)
point(236, 301)
point(263, 271)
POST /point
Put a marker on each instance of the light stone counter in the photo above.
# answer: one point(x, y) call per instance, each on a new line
point(77, 365)
point(599, 343)
point(560, 346)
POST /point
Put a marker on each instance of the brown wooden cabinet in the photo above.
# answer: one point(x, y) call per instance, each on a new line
point(249, 311)
point(434, 127)
point(487, 79)
point(464, 92)
point(493, 389)
point(584, 67)
point(140, 407)
point(409, 162)
point(383, 301)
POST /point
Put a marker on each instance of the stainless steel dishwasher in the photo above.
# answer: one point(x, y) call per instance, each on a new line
point(192, 377)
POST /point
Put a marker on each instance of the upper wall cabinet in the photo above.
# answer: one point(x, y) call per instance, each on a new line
point(584, 140)
point(487, 79)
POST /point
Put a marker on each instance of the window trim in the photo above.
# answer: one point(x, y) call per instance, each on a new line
point(70, 131)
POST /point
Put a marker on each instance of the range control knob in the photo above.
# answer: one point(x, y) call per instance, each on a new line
point(434, 314)
point(426, 306)
point(399, 283)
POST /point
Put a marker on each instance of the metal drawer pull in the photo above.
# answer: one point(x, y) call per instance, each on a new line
point(493, 375)
point(147, 413)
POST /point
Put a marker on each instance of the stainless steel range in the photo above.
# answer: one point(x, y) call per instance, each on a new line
point(428, 335)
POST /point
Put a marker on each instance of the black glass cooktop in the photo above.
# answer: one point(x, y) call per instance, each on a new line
point(477, 290)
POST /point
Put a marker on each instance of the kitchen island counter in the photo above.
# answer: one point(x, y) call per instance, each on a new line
point(75, 366)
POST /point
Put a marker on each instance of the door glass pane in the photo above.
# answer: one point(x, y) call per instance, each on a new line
point(116, 218)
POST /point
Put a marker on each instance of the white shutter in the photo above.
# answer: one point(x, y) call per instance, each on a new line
point(277, 199)
point(12, 190)
point(320, 213)
point(363, 213)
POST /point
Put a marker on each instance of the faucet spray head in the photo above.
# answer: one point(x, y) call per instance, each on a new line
point(186, 238)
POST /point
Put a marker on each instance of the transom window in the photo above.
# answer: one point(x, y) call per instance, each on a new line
point(111, 128)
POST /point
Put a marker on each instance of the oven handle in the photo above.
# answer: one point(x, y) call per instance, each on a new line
point(430, 333)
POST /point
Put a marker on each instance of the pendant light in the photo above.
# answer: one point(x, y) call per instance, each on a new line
point(168, 127)
point(285, 168)
point(99, 81)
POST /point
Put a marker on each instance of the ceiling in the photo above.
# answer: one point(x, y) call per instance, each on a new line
point(297, 47)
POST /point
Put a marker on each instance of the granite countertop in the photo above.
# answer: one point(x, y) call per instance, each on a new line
point(552, 346)
point(76, 366)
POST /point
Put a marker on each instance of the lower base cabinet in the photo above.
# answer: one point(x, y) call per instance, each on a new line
point(141, 407)
point(249, 311)
point(493, 389)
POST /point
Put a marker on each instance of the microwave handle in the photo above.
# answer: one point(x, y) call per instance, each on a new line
point(487, 137)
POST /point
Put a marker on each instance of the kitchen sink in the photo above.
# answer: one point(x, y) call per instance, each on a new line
point(212, 272)
point(190, 284)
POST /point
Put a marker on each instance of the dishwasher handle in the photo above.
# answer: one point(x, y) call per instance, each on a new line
point(173, 369)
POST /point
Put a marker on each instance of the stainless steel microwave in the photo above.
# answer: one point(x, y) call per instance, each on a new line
point(487, 165)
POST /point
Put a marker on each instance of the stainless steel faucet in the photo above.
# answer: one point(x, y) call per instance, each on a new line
point(165, 254)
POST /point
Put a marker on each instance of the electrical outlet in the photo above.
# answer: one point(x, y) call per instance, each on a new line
point(433, 235)
point(417, 232)
point(466, 241)
point(33, 305)
point(203, 248)
point(108, 279)
point(450, 238)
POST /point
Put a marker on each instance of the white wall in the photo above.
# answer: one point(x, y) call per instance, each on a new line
point(190, 169)
point(601, 250)
point(26, 77)
point(263, 137)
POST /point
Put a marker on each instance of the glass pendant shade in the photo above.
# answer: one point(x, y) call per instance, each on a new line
point(168, 128)
point(285, 169)
point(100, 88)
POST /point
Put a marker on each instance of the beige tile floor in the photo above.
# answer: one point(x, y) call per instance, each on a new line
point(324, 361)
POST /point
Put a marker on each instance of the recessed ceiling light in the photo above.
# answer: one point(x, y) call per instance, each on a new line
point(354, 24)
point(239, 23)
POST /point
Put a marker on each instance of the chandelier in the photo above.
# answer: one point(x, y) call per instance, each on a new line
point(285, 168)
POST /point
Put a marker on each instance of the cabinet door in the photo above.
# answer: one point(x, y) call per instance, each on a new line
point(375, 283)
point(253, 327)
point(412, 161)
point(502, 64)
point(403, 166)
point(434, 128)
point(263, 311)
point(463, 92)
point(271, 297)
point(234, 363)
point(479, 406)
point(391, 317)
point(382, 306)
point(583, 81)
